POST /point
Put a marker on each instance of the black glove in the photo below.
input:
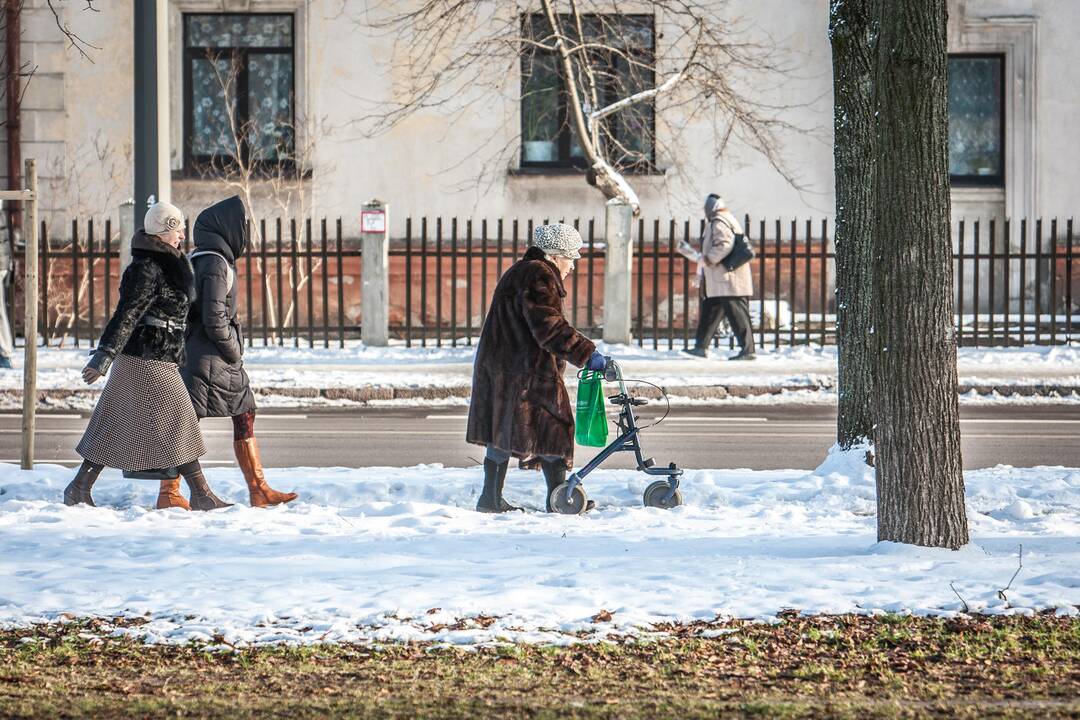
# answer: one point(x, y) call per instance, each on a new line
point(97, 367)
point(100, 360)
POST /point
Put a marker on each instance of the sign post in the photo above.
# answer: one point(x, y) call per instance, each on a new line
point(375, 274)
point(618, 272)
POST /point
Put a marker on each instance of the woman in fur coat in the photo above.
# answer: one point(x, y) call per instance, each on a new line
point(144, 419)
point(519, 403)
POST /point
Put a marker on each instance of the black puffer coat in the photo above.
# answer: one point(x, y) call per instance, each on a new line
point(158, 283)
point(214, 373)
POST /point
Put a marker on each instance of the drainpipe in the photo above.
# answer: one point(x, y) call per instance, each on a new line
point(13, 60)
point(151, 103)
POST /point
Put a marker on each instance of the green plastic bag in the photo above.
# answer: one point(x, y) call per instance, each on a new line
point(591, 421)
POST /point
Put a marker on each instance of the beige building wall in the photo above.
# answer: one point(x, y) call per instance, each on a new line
point(78, 121)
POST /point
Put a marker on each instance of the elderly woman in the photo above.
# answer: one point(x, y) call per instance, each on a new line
point(519, 404)
point(723, 292)
point(214, 372)
point(144, 419)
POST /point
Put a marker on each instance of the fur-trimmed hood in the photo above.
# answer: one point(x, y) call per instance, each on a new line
point(175, 264)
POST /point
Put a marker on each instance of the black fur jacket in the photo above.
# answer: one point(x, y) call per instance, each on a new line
point(519, 402)
point(158, 285)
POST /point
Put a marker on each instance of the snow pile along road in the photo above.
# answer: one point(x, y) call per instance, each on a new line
point(358, 366)
point(399, 554)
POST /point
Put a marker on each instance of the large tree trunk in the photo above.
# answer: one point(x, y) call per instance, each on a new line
point(853, 32)
point(920, 484)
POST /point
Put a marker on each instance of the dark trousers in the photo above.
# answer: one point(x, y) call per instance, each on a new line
point(737, 311)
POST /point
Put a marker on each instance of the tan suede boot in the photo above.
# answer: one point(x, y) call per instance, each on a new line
point(262, 495)
point(169, 495)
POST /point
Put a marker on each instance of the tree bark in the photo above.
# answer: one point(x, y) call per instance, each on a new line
point(853, 32)
point(920, 484)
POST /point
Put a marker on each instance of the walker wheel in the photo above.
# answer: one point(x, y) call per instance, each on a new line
point(656, 493)
point(575, 505)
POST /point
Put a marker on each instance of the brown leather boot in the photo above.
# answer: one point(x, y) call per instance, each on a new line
point(169, 495)
point(262, 495)
point(78, 490)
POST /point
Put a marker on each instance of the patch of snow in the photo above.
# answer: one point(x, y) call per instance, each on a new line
point(367, 553)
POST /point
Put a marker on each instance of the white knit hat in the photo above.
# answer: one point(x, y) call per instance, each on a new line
point(162, 217)
point(558, 239)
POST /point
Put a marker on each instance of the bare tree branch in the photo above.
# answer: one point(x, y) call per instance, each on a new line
point(265, 174)
point(73, 38)
point(636, 98)
point(607, 58)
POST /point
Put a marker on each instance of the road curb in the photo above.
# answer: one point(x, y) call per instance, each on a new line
point(368, 394)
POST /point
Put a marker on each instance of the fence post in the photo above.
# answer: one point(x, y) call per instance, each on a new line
point(375, 274)
point(127, 231)
point(30, 323)
point(618, 272)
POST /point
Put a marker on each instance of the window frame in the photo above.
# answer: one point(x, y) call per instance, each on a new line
point(193, 164)
point(566, 131)
point(986, 181)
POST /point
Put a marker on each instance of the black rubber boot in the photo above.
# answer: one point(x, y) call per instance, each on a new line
point(554, 476)
point(78, 490)
point(491, 499)
point(202, 497)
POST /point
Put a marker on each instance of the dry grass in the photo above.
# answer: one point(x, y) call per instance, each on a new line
point(890, 667)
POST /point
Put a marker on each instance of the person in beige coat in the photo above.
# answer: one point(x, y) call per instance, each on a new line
point(722, 292)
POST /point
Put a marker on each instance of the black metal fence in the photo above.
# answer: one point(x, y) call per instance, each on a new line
point(1016, 283)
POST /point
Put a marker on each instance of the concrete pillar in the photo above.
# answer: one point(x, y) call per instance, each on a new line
point(127, 231)
point(375, 274)
point(618, 272)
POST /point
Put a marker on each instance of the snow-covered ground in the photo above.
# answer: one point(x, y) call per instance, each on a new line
point(399, 554)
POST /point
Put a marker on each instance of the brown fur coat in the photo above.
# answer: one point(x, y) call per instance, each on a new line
point(519, 401)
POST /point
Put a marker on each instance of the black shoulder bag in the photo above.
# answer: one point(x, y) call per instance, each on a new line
point(741, 250)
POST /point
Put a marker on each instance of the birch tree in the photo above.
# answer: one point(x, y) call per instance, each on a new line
point(620, 66)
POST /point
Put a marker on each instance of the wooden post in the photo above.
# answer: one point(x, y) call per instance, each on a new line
point(30, 323)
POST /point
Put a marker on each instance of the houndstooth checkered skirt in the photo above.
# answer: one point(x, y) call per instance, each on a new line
point(143, 420)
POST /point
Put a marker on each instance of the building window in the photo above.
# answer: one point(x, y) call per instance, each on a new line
point(977, 120)
point(238, 88)
point(622, 67)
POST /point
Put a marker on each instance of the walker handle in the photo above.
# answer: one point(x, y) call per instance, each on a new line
point(612, 372)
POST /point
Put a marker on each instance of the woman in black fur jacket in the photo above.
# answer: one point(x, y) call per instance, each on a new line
point(144, 419)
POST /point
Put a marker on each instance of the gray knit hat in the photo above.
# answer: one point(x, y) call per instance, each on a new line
point(713, 203)
point(162, 217)
point(558, 239)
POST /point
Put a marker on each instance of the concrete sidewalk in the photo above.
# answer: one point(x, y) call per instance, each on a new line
point(362, 375)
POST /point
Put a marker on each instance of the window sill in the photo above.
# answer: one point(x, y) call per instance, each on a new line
point(977, 193)
point(527, 172)
point(188, 175)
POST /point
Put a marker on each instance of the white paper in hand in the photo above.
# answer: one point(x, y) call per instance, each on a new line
point(687, 251)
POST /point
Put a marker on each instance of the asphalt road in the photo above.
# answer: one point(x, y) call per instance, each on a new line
point(761, 438)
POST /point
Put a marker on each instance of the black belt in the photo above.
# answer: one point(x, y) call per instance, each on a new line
point(159, 323)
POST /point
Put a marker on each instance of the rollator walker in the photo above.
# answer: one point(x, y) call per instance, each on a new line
point(569, 498)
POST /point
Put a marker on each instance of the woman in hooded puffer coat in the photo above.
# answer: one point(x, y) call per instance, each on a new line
point(214, 373)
